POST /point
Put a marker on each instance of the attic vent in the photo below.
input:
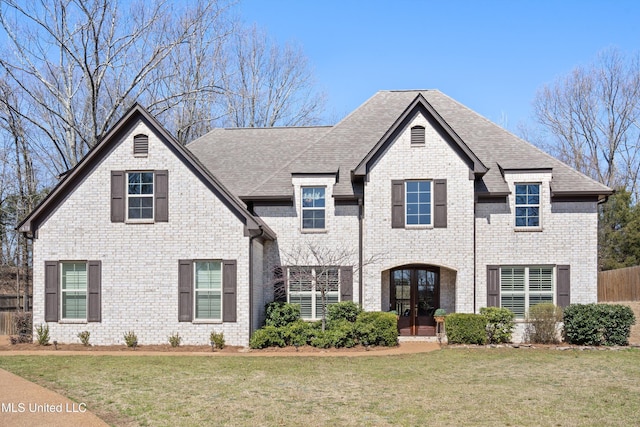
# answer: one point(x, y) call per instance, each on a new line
point(417, 135)
point(140, 145)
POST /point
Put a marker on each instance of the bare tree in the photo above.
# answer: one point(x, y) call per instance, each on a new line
point(268, 85)
point(315, 267)
point(82, 63)
point(592, 116)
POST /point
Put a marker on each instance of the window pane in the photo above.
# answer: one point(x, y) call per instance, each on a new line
point(313, 218)
point(208, 290)
point(418, 203)
point(313, 197)
point(74, 305)
point(514, 303)
point(313, 204)
point(512, 279)
point(541, 279)
point(74, 276)
point(527, 209)
point(208, 305)
point(304, 299)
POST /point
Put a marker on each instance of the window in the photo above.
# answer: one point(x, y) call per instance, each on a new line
point(417, 135)
point(208, 290)
point(527, 205)
point(73, 290)
point(313, 208)
point(140, 195)
point(306, 285)
point(418, 203)
point(523, 287)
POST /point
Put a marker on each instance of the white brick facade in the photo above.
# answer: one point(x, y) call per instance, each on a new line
point(140, 261)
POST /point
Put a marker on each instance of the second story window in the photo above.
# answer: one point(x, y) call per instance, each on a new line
point(527, 205)
point(313, 208)
point(140, 195)
point(418, 203)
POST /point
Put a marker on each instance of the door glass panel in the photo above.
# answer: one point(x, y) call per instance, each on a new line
point(402, 282)
point(426, 292)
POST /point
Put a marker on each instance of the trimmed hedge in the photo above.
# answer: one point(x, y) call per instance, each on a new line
point(598, 324)
point(372, 328)
point(344, 310)
point(466, 328)
point(281, 313)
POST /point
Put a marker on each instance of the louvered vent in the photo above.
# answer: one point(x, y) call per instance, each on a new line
point(417, 135)
point(140, 145)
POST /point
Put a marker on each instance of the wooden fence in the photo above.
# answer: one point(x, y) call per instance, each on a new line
point(622, 284)
point(7, 326)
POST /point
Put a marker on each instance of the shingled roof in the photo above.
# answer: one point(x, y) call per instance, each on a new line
point(258, 163)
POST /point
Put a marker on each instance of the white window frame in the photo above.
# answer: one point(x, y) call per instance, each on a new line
point(197, 291)
point(527, 205)
point(304, 208)
point(141, 196)
point(314, 294)
point(418, 203)
point(527, 292)
point(64, 291)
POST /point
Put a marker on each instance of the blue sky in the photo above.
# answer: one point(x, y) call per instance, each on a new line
point(489, 55)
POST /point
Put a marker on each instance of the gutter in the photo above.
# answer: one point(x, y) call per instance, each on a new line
point(360, 248)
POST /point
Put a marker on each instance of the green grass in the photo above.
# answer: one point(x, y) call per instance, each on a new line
point(478, 387)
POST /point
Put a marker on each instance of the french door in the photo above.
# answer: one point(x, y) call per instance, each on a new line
point(415, 296)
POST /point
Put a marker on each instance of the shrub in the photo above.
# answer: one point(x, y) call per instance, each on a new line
point(500, 324)
point(466, 328)
point(377, 328)
point(42, 332)
point(598, 324)
point(298, 333)
point(175, 339)
point(344, 310)
point(269, 336)
point(281, 313)
point(341, 334)
point(24, 327)
point(543, 323)
point(131, 339)
point(217, 338)
point(84, 337)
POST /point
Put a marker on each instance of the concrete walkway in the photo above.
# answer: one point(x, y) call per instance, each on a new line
point(25, 404)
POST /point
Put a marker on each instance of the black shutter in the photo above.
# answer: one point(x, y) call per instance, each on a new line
point(185, 290)
point(397, 204)
point(117, 196)
point(162, 196)
point(563, 297)
point(51, 303)
point(493, 286)
point(229, 290)
point(346, 283)
point(440, 203)
point(94, 288)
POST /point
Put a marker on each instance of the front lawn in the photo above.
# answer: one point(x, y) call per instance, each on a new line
point(492, 387)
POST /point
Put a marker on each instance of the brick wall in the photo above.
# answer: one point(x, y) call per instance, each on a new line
point(140, 261)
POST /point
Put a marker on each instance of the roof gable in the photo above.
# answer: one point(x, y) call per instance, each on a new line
point(134, 115)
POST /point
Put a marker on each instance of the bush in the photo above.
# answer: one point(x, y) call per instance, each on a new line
point(542, 323)
point(42, 332)
point(269, 336)
point(131, 339)
point(175, 340)
point(377, 328)
point(340, 334)
point(598, 324)
point(500, 324)
point(281, 313)
point(84, 337)
point(298, 333)
point(217, 338)
point(466, 328)
point(344, 310)
point(24, 327)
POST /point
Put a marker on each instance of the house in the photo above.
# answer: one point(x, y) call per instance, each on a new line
point(411, 203)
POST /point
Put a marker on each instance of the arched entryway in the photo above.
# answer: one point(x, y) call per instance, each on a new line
point(415, 295)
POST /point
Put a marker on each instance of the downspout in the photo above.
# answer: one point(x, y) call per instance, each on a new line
point(360, 248)
point(251, 279)
point(475, 205)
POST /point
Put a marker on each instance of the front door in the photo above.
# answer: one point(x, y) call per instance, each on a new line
point(415, 295)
